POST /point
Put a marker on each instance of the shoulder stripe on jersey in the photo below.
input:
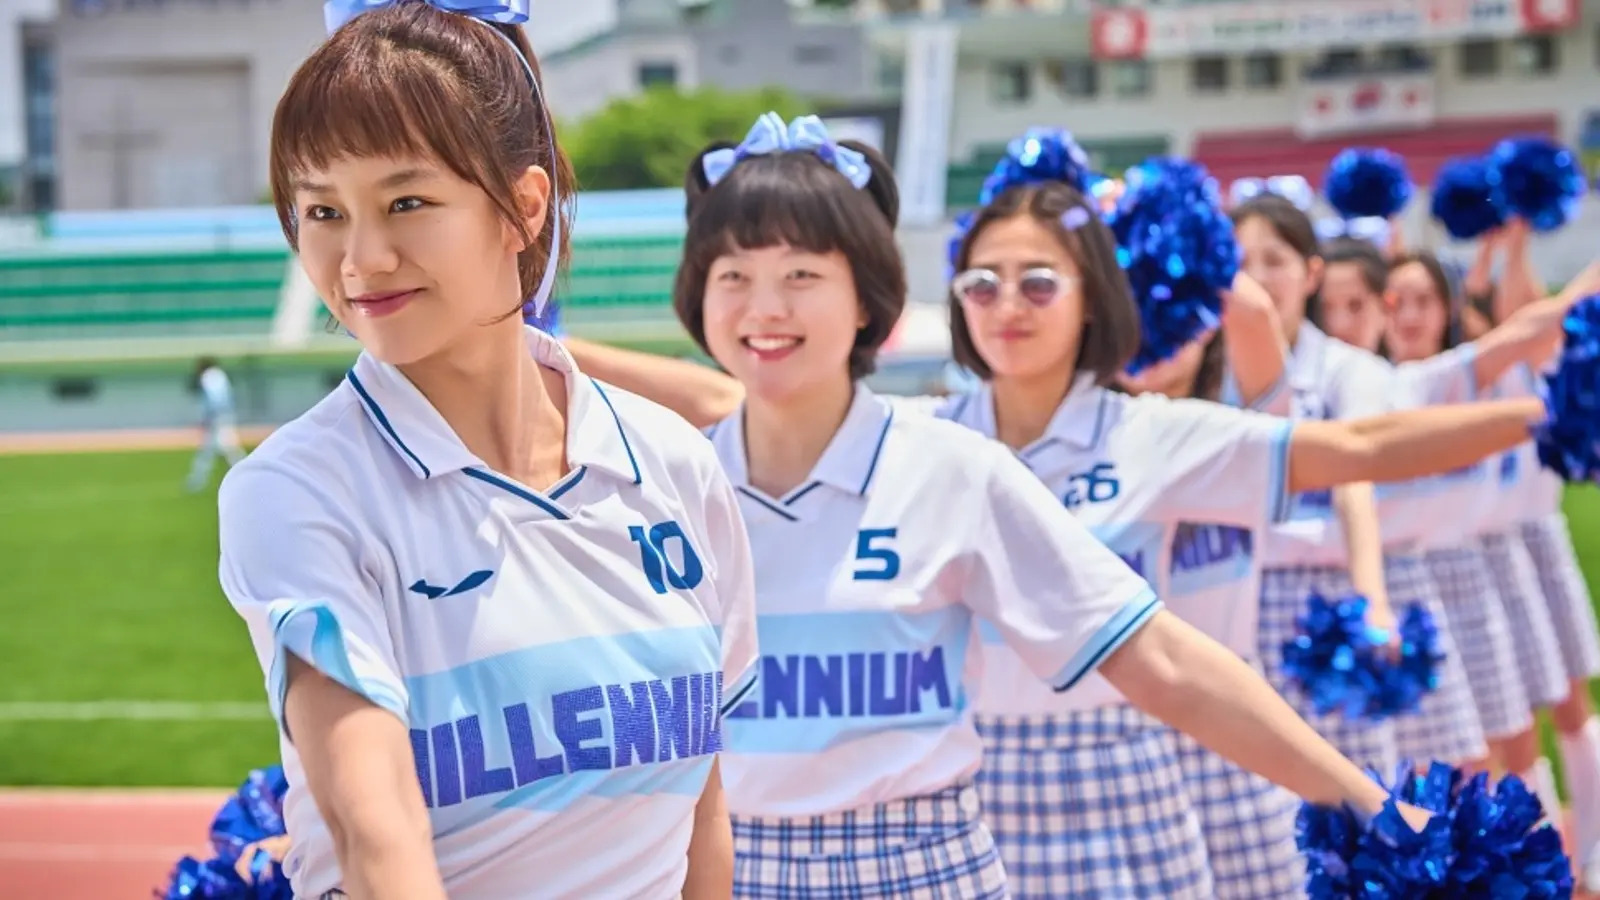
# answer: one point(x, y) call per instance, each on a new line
point(767, 504)
point(877, 452)
point(515, 490)
point(621, 432)
point(383, 421)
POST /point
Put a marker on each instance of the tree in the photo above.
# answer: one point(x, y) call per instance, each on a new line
point(647, 140)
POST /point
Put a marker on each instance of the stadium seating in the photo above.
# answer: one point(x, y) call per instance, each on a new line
point(75, 295)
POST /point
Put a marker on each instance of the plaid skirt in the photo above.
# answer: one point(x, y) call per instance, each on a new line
point(1249, 827)
point(1533, 632)
point(923, 848)
point(1561, 582)
point(1482, 632)
point(1283, 602)
point(1445, 726)
point(1091, 805)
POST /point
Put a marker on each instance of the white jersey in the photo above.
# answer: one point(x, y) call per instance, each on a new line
point(868, 579)
point(1329, 379)
point(1132, 469)
point(1216, 568)
point(1524, 486)
point(560, 656)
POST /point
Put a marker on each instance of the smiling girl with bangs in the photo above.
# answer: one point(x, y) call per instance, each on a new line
point(499, 605)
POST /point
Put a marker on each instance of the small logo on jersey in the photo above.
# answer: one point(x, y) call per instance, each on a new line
point(1097, 485)
point(466, 584)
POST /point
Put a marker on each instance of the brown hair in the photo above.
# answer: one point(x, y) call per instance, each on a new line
point(1441, 284)
point(1111, 331)
point(413, 80)
point(795, 198)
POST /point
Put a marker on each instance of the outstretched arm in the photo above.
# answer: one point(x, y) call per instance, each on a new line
point(700, 394)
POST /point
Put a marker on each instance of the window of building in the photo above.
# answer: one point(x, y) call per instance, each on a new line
point(1535, 54)
point(1129, 77)
point(1403, 58)
point(1077, 78)
point(1263, 70)
point(1478, 58)
point(658, 73)
point(814, 54)
point(1209, 74)
point(1012, 82)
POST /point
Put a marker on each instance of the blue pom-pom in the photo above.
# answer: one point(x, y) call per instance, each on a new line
point(1039, 155)
point(1367, 182)
point(953, 252)
point(1468, 199)
point(1540, 180)
point(1176, 246)
point(1399, 684)
point(1477, 844)
point(1345, 666)
point(1569, 439)
point(1326, 657)
point(253, 814)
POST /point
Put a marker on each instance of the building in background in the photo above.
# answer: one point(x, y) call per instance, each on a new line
point(1249, 88)
point(167, 103)
point(19, 22)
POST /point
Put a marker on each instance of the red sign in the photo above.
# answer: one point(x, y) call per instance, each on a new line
point(1117, 33)
point(1548, 15)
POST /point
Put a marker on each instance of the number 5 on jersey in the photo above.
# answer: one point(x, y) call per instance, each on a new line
point(876, 558)
point(656, 550)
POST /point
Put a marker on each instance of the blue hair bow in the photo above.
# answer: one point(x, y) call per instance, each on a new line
point(335, 13)
point(1292, 188)
point(770, 135)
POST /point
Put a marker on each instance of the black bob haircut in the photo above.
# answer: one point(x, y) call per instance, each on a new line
point(795, 198)
point(1111, 320)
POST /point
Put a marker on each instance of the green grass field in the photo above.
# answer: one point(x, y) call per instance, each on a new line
point(112, 585)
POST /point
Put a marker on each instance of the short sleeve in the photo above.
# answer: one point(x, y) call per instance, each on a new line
point(1448, 377)
point(291, 567)
point(1058, 597)
point(1361, 384)
point(729, 546)
point(1277, 401)
point(1221, 465)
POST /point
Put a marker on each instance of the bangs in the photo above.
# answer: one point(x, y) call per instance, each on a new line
point(792, 199)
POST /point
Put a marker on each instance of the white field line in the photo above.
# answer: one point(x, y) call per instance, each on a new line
point(133, 711)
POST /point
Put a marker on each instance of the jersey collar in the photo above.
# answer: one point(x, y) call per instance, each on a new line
point(1305, 358)
point(1078, 422)
point(850, 462)
point(429, 448)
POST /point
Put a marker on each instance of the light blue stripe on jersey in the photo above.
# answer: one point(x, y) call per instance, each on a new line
point(829, 678)
point(1207, 557)
point(544, 726)
point(311, 631)
point(1279, 499)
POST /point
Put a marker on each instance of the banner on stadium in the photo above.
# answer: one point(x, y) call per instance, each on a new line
point(1328, 107)
point(1240, 27)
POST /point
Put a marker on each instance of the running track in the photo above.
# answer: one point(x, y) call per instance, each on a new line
point(98, 845)
point(104, 845)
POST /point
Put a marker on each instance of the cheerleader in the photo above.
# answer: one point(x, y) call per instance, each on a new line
point(498, 605)
point(792, 281)
point(1247, 821)
point(1081, 789)
point(1510, 649)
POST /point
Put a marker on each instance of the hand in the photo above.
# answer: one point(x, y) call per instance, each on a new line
point(1515, 233)
point(1382, 617)
point(1415, 816)
point(1245, 296)
point(276, 847)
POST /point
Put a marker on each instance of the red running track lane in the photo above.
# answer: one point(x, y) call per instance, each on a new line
point(98, 845)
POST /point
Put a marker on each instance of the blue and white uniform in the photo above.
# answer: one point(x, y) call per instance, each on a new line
point(1329, 380)
point(1548, 538)
point(1511, 565)
point(1248, 822)
point(220, 427)
point(849, 768)
point(560, 656)
point(1085, 793)
point(1476, 613)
